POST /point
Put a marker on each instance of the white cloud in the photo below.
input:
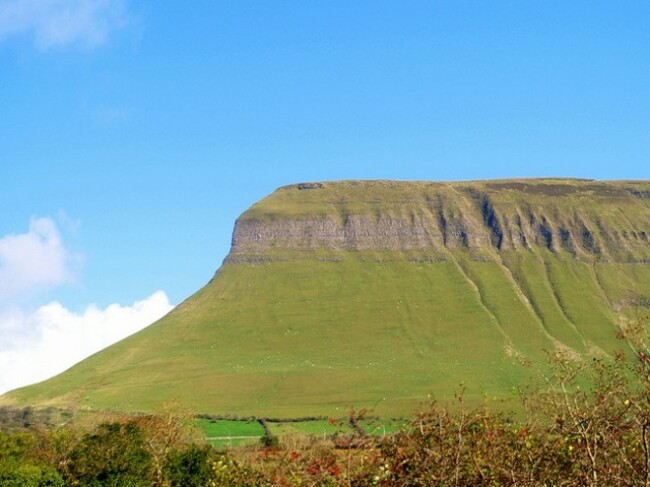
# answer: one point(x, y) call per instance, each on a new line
point(58, 23)
point(34, 260)
point(38, 345)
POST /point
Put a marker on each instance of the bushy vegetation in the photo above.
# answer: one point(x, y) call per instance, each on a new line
point(589, 426)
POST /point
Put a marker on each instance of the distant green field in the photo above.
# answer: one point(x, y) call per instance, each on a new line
point(224, 427)
point(228, 433)
point(284, 331)
point(383, 427)
point(232, 442)
point(318, 428)
point(225, 433)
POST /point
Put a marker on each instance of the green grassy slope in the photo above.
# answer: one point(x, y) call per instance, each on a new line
point(298, 322)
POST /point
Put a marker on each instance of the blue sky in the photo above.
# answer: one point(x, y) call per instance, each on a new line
point(140, 130)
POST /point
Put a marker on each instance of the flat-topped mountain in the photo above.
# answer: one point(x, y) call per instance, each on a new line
point(586, 219)
point(380, 293)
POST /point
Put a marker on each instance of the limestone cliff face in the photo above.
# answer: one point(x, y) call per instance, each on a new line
point(581, 219)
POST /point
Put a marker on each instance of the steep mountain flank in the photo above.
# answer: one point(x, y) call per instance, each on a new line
point(379, 293)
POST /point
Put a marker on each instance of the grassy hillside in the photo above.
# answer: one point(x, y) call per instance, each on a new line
point(378, 294)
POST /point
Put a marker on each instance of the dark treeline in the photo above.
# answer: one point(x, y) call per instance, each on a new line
point(232, 417)
point(17, 419)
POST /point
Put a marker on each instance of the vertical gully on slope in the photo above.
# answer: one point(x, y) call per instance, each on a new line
point(508, 342)
point(521, 294)
point(562, 307)
point(610, 307)
point(526, 300)
point(494, 227)
point(482, 302)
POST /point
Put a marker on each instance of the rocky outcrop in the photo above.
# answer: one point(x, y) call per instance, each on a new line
point(578, 219)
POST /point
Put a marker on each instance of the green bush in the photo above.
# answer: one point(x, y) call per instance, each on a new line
point(26, 475)
point(114, 456)
point(189, 467)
